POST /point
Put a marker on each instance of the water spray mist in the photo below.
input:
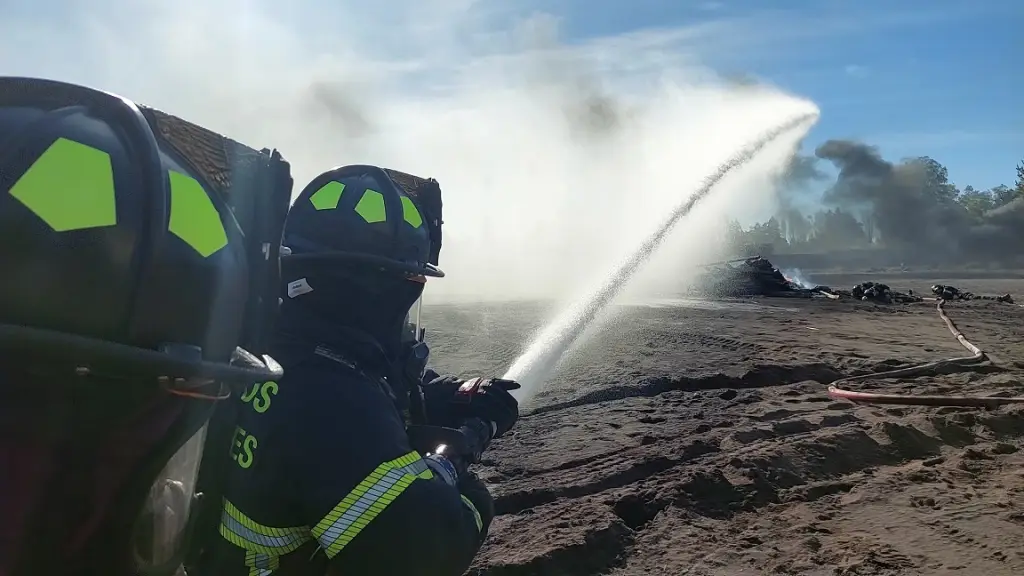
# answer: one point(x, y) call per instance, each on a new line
point(535, 365)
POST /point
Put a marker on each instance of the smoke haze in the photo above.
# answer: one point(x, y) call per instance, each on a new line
point(555, 159)
point(908, 205)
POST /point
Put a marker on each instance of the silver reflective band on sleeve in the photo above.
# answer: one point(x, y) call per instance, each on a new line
point(242, 531)
point(261, 564)
point(367, 500)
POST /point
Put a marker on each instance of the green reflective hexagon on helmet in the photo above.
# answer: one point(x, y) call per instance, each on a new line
point(371, 207)
point(328, 196)
point(410, 213)
point(70, 187)
point(194, 218)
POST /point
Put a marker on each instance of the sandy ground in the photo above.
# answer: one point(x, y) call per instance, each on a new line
point(697, 438)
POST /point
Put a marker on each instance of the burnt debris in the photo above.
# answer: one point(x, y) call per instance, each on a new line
point(878, 292)
point(953, 293)
point(757, 276)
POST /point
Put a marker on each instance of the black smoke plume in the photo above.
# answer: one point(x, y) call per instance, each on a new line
point(912, 206)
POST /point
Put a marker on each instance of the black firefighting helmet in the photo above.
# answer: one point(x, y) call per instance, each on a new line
point(120, 316)
point(360, 216)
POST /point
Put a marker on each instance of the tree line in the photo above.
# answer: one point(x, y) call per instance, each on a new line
point(851, 225)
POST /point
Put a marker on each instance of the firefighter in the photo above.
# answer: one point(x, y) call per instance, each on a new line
point(120, 314)
point(326, 477)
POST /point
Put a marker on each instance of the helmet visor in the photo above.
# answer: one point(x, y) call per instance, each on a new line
point(413, 330)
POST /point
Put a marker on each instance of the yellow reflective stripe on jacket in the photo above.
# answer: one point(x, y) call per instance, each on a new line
point(246, 533)
point(342, 524)
point(476, 513)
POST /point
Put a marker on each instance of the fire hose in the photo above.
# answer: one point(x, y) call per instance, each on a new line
point(977, 356)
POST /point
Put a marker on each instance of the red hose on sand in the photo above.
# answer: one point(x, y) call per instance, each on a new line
point(977, 355)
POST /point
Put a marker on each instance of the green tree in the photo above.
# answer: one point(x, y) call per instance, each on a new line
point(976, 202)
point(936, 178)
point(766, 233)
point(795, 227)
point(1019, 188)
point(837, 230)
point(733, 234)
point(1002, 195)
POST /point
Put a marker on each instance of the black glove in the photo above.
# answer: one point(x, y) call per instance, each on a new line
point(474, 490)
point(448, 401)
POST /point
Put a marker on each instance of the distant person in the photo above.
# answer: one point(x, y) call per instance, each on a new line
point(326, 479)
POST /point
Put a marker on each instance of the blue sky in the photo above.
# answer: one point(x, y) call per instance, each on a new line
point(916, 77)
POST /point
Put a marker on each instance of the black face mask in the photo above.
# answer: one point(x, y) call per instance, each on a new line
point(365, 316)
point(371, 303)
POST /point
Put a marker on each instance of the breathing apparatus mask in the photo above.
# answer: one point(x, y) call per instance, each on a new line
point(414, 356)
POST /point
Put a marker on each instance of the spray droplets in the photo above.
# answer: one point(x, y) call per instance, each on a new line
point(536, 364)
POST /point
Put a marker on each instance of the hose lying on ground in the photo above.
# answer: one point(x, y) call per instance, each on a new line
point(977, 355)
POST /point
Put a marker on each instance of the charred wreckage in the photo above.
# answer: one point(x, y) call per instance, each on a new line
point(757, 276)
